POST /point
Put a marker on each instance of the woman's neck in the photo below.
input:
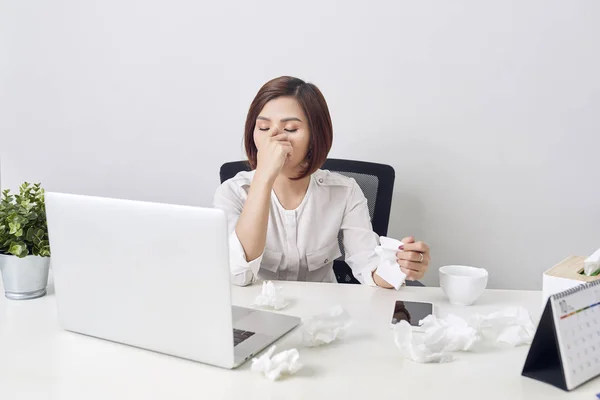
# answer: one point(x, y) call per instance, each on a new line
point(290, 192)
point(284, 184)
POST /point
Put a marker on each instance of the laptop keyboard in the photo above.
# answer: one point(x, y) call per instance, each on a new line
point(239, 336)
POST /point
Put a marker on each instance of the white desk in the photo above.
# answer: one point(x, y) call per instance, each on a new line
point(40, 361)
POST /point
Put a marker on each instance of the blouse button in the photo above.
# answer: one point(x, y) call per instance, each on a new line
point(320, 180)
point(326, 260)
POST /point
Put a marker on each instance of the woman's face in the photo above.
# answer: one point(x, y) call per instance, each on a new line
point(284, 115)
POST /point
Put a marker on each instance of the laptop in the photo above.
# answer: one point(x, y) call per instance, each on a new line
point(154, 276)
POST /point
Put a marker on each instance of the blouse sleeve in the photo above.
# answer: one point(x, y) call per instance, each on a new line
point(359, 239)
point(228, 198)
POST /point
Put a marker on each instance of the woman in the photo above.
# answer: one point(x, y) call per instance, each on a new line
point(285, 215)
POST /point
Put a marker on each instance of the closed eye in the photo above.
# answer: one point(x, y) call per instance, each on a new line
point(291, 130)
point(263, 129)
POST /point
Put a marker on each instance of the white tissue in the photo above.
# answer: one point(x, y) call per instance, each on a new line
point(388, 268)
point(283, 363)
point(414, 348)
point(592, 263)
point(441, 336)
point(326, 327)
point(271, 296)
point(512, 327)
point(449, 334)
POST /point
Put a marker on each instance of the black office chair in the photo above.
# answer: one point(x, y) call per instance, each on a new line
point(375, 180)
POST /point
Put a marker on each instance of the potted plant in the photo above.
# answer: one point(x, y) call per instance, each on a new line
point(24, 245)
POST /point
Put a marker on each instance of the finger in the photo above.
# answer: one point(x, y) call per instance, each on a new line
point(408, 274)
point(288, 153)
point(283, 143)
point(412, 256)
point(409, 256)
point(408, 239)
point(420, 247)
point(411, 275)
point(413, 266)
point(286, 147)
point(280, 137)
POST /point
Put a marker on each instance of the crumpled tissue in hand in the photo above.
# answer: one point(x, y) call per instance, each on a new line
point(326, 327)
point(271, 296)
point(283, 363)
point(441, 336)
point(388, 268)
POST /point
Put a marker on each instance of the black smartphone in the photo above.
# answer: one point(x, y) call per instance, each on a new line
point(411, 311)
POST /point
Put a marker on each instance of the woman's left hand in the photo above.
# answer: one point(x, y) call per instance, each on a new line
point(413, 258)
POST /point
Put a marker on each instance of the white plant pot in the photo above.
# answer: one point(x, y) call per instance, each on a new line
point(24, 278)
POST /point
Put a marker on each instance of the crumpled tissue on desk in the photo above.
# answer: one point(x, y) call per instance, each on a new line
point(324, 328)
point(441, 336)
point(271, 296)
point(275, 366)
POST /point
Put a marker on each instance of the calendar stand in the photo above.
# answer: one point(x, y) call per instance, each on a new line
point(565, 351)
point(543, 362)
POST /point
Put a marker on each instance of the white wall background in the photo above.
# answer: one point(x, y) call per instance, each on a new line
point(488, 110)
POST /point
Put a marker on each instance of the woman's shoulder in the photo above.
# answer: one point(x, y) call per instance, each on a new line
point(325, 177)
point(241, 179)
point(234, 186)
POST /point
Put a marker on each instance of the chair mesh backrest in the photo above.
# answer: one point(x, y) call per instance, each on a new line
point(369, 184)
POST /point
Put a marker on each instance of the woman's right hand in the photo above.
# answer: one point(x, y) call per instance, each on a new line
point(273, 152)
point(251, 228)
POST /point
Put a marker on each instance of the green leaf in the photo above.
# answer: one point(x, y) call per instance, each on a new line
point(18, 249)
point(45, 251)
point(14, 227)
point(29, 235)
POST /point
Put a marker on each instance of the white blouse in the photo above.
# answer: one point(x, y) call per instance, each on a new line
point(302, 243)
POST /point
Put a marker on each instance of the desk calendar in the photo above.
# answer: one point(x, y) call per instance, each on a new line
point(565, 351)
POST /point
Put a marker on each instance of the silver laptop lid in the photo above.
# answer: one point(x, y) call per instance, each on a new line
point(150, 275)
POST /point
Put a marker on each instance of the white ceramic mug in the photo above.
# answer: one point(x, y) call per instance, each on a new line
point(463, 284)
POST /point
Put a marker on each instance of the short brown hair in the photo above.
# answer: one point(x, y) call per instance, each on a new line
point(314, 106)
